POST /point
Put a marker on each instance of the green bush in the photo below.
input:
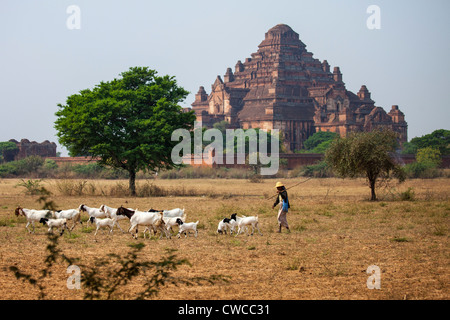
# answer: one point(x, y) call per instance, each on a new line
point(33, 187)
point(31, 164)
point(189, 172)
point(22, 167)
point(91, 170)
point(408, 195)
point(319, 170)
point(8, 169)
point(50, 165)
point(420, 170)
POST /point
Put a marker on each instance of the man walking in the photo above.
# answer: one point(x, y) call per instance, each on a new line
point(283, 200)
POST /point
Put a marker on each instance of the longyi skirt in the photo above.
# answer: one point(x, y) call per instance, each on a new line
point(282, 220)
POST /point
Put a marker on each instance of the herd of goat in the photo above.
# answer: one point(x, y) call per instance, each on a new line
point(153, 220)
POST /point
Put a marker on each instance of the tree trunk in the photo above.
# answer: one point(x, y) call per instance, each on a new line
point(372, 189)
point(132, 183)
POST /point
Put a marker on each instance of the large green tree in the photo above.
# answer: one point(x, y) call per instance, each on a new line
point(127, 122)
point(370, 154)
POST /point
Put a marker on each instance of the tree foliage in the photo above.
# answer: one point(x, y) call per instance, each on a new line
point(409, 148)
point(318, 138)
point(8, 150)
point(250, 136)
point(127, 122)
point(429, 156)
point(438, 139)
point(366, 153)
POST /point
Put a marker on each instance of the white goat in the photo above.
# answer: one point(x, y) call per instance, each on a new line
point(174, 213)
point(144, 218)
point(70, 214)
point(92, 212)
point(172, 221)
point(225, 224)
point(186, 227)
point(60, 223)
point(102, 223)
point(169, 222)
point(246, 221)
point(33, 215)
point(112, 213)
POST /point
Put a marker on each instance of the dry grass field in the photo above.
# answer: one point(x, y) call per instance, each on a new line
point(336, 234)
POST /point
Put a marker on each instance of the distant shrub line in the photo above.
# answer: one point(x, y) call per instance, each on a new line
point(37, 168)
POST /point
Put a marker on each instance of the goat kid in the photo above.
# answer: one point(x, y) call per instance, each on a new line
point(186, 227)
point(246, 221)
point(92, 212)
point(225, 224)
point(70, 214)
point(102, 224)
point(60, 223)
point(112, 213)
point(169, 222)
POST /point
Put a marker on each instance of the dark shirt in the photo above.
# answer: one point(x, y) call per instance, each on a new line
point(284, 196)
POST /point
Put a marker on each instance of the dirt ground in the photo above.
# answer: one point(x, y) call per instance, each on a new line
point(336, 234)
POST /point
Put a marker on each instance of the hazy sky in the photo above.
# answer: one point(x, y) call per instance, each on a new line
point(42, 61)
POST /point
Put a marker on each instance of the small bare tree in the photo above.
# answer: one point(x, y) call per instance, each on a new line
point(366, 153)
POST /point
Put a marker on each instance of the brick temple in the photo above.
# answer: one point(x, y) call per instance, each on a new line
point(283, 87)
point(26, 148)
